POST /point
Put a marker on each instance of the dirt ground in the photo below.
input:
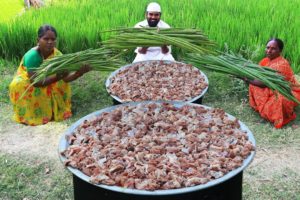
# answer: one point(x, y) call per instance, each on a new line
point(39, 141)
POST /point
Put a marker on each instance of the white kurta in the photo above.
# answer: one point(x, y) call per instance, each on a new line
point(153, 53)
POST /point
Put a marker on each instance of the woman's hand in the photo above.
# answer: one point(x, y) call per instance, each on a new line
point(75, 75)
point(48, 80)
point(61, 75)
point(84, 69)
point(257, 83)
point(245, 79)
point(253, 82)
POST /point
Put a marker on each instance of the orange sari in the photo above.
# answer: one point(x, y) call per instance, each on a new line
point(271, 105)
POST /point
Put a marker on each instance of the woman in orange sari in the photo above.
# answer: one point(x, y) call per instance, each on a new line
point(271, 105)
point(46, 100)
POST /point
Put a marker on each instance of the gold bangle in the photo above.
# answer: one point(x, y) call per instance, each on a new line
point(59, 76)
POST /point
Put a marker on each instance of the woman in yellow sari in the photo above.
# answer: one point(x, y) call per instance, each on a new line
point(46, 100)
point(271, 105)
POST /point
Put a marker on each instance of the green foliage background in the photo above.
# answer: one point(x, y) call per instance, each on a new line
point(243, 26)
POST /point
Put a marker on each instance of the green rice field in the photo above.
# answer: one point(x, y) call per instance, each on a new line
point(29, 165)
point(10, 9)
point(242, 26)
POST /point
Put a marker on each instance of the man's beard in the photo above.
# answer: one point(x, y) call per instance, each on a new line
point(152, 23)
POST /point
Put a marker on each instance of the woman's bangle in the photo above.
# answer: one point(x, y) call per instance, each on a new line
point(59, 76)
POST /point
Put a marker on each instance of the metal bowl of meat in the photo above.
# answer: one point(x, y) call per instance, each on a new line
point(157, 148)
point(157, 80)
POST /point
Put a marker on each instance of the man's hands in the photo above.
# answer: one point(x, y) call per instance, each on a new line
point(164, 49)
point(142, 50)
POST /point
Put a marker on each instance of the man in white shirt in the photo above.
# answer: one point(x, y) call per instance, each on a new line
point(153, 14)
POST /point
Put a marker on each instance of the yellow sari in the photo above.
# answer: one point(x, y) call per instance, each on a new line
point(39, 105)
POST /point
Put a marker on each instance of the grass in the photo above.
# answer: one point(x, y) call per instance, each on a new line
point(283, 186)
point(239, 25)
point(235, 24)
point(30, 178)
point(7, 69)
point(9, 9)
point(93, 97)
point(23, 177)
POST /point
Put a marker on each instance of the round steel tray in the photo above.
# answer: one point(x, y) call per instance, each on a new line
point(108, 80)
point(63, 145)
